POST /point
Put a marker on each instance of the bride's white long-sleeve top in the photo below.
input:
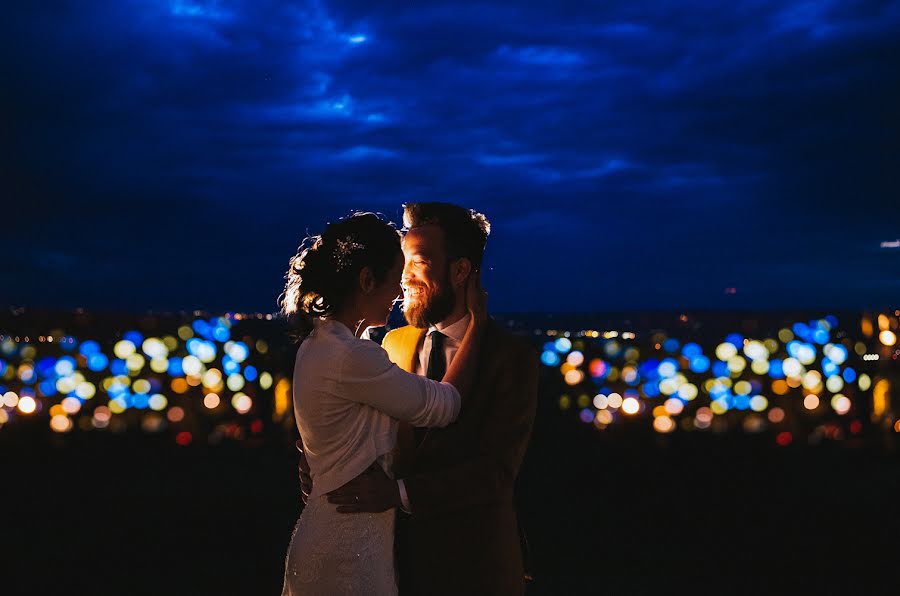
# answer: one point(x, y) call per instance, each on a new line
point(348, 397)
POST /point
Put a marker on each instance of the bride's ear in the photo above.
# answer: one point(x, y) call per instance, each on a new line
point(366, 280)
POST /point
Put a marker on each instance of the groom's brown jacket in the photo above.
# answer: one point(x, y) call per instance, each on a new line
point(462, 536)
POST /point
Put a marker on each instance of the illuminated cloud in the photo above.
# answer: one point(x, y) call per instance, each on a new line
point(659, 126)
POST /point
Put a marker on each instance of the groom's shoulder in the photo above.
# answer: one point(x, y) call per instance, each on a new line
point(511, 347)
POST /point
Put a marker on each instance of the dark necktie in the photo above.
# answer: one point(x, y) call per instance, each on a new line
point(437, 366)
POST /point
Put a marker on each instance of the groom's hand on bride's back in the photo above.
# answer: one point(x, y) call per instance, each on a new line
point(305, 478)
point(373, 491)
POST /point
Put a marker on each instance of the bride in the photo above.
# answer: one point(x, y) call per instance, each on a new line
point(348, 397)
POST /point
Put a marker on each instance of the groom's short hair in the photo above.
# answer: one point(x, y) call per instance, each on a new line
point(465, 230)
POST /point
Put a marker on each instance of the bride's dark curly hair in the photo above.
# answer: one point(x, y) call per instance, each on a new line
point(324, 273)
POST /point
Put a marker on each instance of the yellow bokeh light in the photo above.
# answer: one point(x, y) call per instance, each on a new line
point(159, 365)
point(141, 386)
point(10, 399)
point(663, 424)
point(725, 351)
point(65, 385)
point(158, 402)
point(179, 385)
point(573, 377)
point(27, 405)
point(887, 337)
point(755, 350)
point(688, 392)
point(185, 332)
point(71, 405)
point(575, 358)
point(865, 382)
point(881, 398)
point(792, 367)
point(736, 364)
point(603, 417)
point(614, 400)
point(841, 404)
point(211, 401)
point(155, 348)
point(718, 408)
point(135, 362)
point(760, 367)
point(631, 406)
point(758, 403)
point(834, 383)
point(241, 402)
point(85, 390)
point(123, 349)
point(673, 406)
point(812, 381)
point(265, 381)
point(236, 382)
point(743, 388)
point(191, 365)
point(61, 424)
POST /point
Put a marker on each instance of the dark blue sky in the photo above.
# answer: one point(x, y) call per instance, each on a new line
point(630, 155)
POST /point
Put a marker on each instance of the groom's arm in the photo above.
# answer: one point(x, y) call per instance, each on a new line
point(489, 475)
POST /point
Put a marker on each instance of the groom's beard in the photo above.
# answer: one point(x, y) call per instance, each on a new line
point(430, 307)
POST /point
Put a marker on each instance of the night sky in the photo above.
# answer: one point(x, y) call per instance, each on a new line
point(630, 155)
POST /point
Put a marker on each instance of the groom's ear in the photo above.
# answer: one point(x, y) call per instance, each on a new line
point(460, 271)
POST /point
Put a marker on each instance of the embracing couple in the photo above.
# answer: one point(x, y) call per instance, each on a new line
point(410, 449)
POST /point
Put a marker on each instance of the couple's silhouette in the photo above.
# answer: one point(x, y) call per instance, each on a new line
point(410, 449)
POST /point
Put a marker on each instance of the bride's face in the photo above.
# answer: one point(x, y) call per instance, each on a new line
point(381, 300)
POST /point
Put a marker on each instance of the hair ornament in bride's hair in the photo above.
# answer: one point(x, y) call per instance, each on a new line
point(343, 252)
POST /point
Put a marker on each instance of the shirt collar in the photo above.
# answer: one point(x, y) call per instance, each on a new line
point(456, 331)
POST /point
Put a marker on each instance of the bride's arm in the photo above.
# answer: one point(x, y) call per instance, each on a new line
point(368, 376)
point(461, 371)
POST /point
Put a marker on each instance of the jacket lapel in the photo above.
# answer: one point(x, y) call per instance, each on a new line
point(402, 347)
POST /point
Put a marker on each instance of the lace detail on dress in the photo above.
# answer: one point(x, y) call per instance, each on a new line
point(338, 553)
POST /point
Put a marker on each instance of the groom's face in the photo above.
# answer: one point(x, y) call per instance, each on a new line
point(428, 296)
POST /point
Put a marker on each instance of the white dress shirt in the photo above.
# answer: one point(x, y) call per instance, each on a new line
point(454, 333)
point(348, 397)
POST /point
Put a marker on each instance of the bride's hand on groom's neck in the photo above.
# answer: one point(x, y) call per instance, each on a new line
point(476, 297)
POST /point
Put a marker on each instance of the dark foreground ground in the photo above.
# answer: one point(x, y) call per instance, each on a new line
point(619, 513)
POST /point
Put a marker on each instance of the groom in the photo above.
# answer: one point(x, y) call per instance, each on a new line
point(458, 530)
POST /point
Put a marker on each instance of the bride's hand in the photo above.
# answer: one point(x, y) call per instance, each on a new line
point(476, 297)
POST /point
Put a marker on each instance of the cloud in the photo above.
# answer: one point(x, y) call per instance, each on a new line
point(697, 117)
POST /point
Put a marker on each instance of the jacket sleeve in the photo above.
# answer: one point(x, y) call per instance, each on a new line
point(489, 475)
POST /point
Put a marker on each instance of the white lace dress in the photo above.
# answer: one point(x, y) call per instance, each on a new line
point(338, 553)
point(348, 397)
